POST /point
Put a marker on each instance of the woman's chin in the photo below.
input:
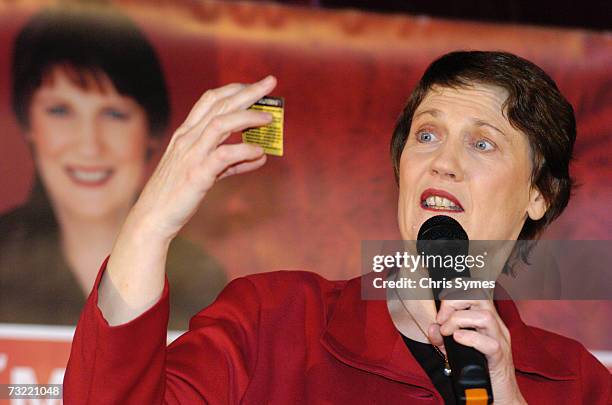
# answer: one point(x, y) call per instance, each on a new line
point(92, 210)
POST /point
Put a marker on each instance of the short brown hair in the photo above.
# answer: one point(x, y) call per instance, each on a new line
point(534, 106)
point(94, 40)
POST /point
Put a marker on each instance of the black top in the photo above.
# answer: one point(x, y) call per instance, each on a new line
point(433, 364)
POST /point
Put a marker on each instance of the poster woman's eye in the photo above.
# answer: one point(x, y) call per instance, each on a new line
point(58, 110)
point(116, 114)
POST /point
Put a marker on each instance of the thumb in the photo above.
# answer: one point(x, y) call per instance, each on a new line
point(435, 337)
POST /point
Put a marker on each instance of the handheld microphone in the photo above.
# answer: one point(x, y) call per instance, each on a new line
point(443, 236)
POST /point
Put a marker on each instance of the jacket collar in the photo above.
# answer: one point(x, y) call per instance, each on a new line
point(361, 333)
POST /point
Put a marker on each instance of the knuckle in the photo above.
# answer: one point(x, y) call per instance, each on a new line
point(216, 124)
point(179, 142)
point(209, 96)
point(181, 130)
point(178, 138)
point(222, 106)
point(487, 317)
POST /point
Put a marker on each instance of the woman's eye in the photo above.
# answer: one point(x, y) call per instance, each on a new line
point(483, 145)
point(425, 137)
point(58, 110)
point(116, 114)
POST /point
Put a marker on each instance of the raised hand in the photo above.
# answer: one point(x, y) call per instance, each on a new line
point(194, 160)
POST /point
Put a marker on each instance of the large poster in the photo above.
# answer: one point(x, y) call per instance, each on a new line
point(344, 75)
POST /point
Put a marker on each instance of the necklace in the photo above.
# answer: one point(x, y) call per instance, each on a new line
point(447, 370)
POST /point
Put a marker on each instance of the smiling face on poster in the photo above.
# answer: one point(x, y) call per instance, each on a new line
point(92, 103)
point(90, 145)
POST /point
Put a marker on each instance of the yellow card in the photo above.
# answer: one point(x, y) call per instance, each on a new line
point(269, 137)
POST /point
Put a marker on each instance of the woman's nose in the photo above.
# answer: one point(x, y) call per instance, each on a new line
point(90, 138)
point(446, 163)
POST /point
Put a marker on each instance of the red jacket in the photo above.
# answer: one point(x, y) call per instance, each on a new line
point(294, 337)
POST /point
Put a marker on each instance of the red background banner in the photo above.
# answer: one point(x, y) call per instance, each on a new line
point(344, 76)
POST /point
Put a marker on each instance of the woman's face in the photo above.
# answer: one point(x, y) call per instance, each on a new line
point(89, 144)
point(463, 159)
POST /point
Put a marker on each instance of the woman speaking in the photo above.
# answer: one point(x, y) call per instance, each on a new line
point(485, 137)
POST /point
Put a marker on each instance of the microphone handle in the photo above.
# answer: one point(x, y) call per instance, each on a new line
point(470, 372)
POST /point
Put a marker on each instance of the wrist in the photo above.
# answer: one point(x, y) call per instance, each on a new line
point(142, 231)
point(135, 269)
point(506, 390)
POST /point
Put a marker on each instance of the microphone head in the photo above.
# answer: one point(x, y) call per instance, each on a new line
point(442, 236)
point(441, 227)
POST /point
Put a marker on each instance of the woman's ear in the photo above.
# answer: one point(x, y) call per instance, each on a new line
point(537, 204)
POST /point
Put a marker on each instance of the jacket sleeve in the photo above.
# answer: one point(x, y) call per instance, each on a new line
point(130, 363)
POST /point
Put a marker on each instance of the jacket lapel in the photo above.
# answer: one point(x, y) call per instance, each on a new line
point(361, 334)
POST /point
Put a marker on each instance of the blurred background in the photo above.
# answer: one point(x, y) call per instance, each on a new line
point(591, 14)
point(345, 69)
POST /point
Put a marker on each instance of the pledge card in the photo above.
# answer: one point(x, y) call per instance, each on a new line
point(269, 137)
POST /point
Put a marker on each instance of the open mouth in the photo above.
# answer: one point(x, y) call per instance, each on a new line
point(439, 200)
point(89, 176)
